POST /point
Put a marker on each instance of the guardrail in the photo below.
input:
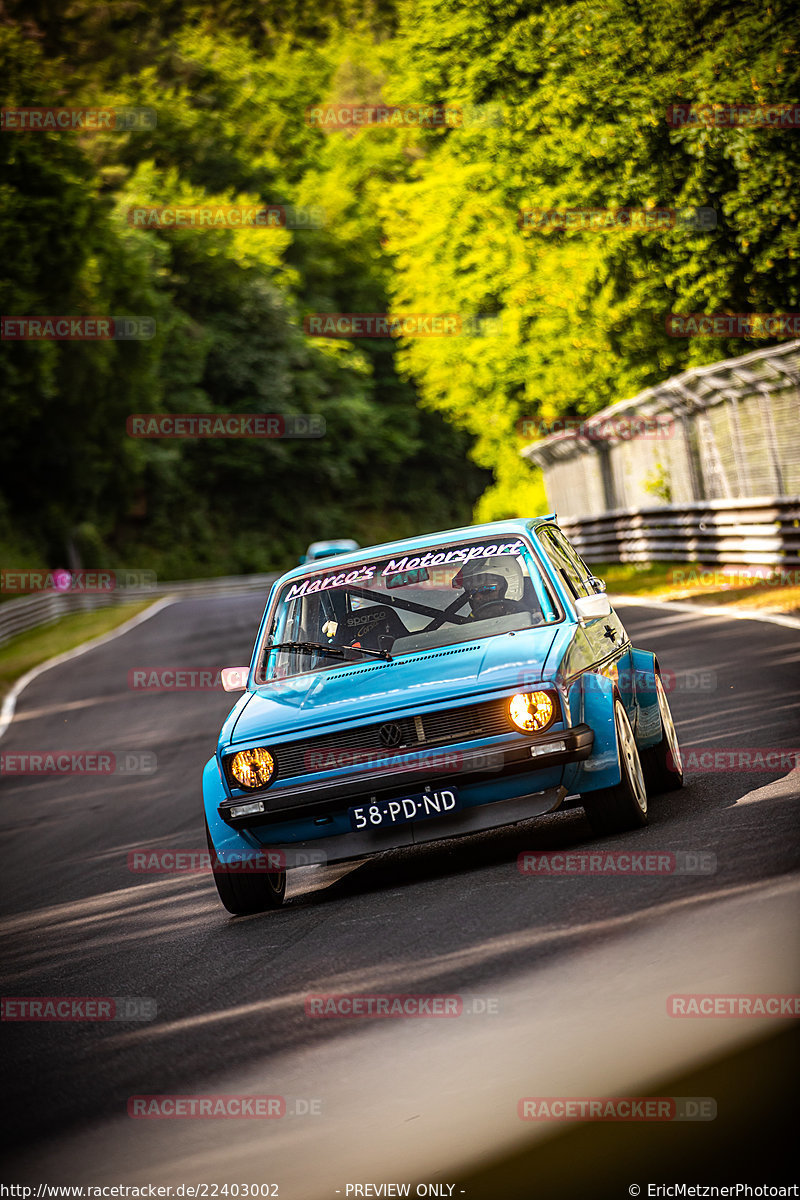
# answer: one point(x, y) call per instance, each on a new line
point(727, 431)
point(764, 531)
point(43, 608)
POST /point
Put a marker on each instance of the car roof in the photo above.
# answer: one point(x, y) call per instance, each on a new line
point(511, 525)
point(350, 543)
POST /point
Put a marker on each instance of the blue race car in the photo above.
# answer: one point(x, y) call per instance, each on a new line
point(429, 688)
point(324, 549)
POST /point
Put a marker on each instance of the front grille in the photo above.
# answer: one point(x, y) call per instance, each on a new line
point(296, 758)
point(461, 724)
point(451, 725)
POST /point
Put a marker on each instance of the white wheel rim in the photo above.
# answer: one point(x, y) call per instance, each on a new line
point(668, 725)
point(629, 757)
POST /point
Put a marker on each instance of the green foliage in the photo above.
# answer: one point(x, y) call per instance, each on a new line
point(228, 305)
point(584, 92)
point(564, 107)
point(658, 484)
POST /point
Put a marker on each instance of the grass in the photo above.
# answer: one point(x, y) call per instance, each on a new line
point(711, 585)
point(667, 581)
point(28, 650)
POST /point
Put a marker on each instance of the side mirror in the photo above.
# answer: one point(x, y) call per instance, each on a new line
point(234, 679)
point(589, 608)
point(597, 585)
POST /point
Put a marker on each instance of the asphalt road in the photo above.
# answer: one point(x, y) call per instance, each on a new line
point(576, 970)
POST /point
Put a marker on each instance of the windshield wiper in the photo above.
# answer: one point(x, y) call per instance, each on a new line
point(384, 654)
point(334, 651)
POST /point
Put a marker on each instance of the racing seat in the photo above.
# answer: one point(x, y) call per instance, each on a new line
point(374, 627)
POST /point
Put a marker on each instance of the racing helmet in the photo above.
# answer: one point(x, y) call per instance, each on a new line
point(490, 581)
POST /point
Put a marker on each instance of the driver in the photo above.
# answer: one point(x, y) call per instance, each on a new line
point(493, 587)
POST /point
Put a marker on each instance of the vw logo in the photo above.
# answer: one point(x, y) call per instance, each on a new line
point(390, 734)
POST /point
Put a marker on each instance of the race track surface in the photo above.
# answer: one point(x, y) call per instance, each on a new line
point(576, 970)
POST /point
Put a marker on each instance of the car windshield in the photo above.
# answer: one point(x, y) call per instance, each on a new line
point(439, 595)
point(328, 548)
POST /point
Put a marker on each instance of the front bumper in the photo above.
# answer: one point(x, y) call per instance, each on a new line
point(363, 843)
point(324, 798)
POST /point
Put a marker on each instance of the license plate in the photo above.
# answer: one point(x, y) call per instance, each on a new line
point(381, 813)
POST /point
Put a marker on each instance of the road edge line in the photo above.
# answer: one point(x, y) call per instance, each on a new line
point(10, 700)
point(709, 610)
point(704, 610)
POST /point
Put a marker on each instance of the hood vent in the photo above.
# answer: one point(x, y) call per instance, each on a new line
point(406, 661)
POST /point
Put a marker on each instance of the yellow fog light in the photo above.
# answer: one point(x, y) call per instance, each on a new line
point(532, 711)
point(252, 768)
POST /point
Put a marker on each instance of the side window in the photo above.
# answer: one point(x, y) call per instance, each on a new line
point(566, 561)
point(584, 573)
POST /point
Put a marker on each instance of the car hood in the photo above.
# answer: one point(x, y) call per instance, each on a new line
point(371, 689)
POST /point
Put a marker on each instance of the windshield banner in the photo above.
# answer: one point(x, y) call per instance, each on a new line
point(432, 558)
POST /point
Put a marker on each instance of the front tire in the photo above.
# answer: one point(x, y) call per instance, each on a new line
point(243, 894)
point(662, 764)
point(624, 806)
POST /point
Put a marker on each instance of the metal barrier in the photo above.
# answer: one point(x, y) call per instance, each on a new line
point(728, 431)
point(764, 531)
point(43, 608)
